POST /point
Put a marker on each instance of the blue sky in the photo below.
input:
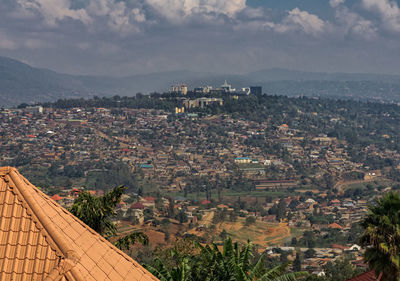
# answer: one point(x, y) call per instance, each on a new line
point(124, 37)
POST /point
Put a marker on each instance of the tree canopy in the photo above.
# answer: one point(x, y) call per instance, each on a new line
point(381, 237)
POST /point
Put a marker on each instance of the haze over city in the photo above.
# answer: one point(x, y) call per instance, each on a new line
point(121, 38)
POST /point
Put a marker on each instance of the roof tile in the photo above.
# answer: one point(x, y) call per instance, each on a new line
point(366, 276)
point(37, 236)
point(115, 276)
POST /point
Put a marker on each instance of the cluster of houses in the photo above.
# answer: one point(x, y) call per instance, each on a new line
point(170, 151)
point(199, 214)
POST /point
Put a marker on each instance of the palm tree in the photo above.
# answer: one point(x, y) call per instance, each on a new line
point(97, 212)
point(381, 237)
point(179, 273)
point(235, 263)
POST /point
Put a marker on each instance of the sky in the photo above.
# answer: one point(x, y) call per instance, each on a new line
point(127, 37)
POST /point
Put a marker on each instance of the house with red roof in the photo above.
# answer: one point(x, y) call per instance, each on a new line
point(56, 197)
point(340, 247)
point(335, 226)
point(205, 202)
point(335, 203)
point(138, 206)
point(150, 199)
point(149, 202)
point(366, 276)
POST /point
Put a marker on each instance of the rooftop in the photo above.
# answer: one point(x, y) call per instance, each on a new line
point(367, 276)
point(40, 240)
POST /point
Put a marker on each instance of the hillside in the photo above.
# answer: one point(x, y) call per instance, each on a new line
point(21, 83)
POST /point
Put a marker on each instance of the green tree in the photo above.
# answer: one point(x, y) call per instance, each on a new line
point(310, 253)
point(179, 273)
point(297, 262)
point(381, 237)
point(340, 270)
point(233, 263)
point(98, 211)
point(250, 220)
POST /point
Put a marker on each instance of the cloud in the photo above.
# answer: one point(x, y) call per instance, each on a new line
point(253, 13)
point(180, 10)
point(388, 11)
point(53, 11)
point(118, 16)
point(35, 44)
point(121, 20)
point(129, 17)
point(107, 48)
point(349, 22)
point(301, 20)
point(294, 20)
point(6, 43)
point(123, 36)
point(336, 3)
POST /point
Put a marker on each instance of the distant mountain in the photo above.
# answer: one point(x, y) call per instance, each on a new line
point(280, 74)
point(21, 83)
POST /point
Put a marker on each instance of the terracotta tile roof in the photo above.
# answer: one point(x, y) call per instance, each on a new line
point(137, 205)
point(56, 197)
point(335, 225)
point(40, 240)
point(367, 276)
point(341, 247)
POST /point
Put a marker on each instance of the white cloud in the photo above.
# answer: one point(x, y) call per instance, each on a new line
point(138, 15)
point(120, 18)
point(336, 3)
point(6, 43)
point(295, 20)
point(353, 23)
point(54, 10)
point(301, 20)
point(253, 13)
point(388, 10)
point(180, 10)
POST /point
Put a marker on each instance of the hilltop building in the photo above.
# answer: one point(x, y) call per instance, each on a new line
point(180, 89)
point(202, 90)
point(40, 240)
point(202, 102)
point(224, 89)
point(227, 88)
point(33, 109)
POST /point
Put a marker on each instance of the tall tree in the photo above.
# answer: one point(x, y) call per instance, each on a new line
point(381, 237)
point(98, 211)
point(340, 270)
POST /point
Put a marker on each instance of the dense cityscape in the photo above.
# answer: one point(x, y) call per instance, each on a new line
point(199, 140)
point(291, 182)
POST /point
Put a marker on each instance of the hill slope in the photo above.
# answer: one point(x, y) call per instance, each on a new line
point(21, 83)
